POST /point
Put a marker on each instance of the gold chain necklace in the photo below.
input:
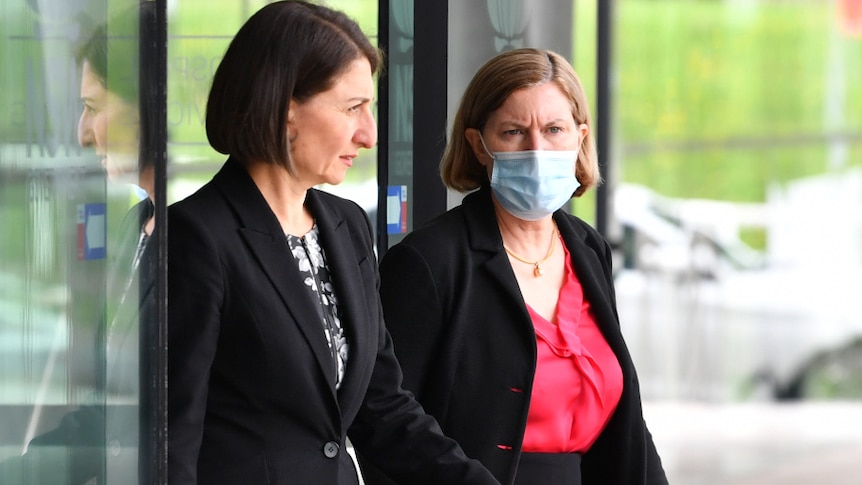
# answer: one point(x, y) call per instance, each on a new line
point(537, 265)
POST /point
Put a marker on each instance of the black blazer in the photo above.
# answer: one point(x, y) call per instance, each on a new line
point(468, 349)
point(251, 384)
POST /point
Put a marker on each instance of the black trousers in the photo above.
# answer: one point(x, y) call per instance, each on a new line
point(549, 469)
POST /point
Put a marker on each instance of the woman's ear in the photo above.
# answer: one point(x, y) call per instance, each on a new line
point(291, 120)
point(583, 131)
point(474, 138)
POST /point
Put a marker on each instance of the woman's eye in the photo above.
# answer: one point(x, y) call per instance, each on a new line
point(555, 129)
point(512, 132)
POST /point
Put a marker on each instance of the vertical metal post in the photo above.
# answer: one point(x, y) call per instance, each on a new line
point(158, 47)
point(429, 104)
point(603, 122)
point(382, 237)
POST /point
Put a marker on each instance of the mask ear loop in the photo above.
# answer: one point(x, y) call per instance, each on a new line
point(482, 139)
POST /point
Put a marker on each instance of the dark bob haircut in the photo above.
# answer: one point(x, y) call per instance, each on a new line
point(288, 50)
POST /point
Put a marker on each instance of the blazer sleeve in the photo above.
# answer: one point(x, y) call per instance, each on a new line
point(609, 275)
point(655, 474)
point(413, 312)
point(195, 292)
point(393, 434)
point(71, 453)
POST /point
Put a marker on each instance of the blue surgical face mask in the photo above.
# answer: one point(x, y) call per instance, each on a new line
point(533, 184)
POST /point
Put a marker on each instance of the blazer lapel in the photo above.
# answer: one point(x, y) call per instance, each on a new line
point(589, 269)
point(262, 233)
point(484, 237)
point(350, 289)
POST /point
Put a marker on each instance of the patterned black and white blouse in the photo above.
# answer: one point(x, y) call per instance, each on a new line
point(312, 265)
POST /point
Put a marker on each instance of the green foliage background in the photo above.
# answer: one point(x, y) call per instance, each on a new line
point(718, 99)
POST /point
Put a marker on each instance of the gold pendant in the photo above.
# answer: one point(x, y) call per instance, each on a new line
point(538, 271)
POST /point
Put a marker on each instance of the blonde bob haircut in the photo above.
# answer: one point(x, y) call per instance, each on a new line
point(488, 90)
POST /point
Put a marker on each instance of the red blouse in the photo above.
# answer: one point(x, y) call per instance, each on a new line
point(578, 381)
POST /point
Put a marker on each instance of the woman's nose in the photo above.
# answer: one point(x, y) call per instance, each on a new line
point(366, 133)
point(85, 130)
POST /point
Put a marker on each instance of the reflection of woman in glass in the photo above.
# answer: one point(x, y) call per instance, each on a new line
point(120, 98)
point(111, 121)
point(96, 440)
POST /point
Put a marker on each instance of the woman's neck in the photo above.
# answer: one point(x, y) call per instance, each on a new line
point(528, 238)
point(284, 195)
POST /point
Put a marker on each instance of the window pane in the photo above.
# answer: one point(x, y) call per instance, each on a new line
point(73, 206)
point(739, 187)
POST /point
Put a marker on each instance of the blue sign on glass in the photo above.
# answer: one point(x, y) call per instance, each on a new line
point(91, 231)
point(396, 209)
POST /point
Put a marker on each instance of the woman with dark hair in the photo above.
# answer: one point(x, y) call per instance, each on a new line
point(502, 310)
point(278, 350)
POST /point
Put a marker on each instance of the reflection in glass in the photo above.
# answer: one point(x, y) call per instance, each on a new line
point(77, 304)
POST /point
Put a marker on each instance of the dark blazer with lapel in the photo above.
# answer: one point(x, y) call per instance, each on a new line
point(468, 349)
point(251, 385)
